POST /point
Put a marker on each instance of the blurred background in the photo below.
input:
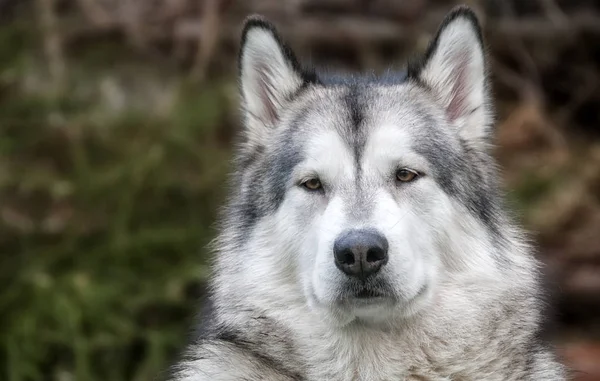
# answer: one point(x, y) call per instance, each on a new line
point(116, 123)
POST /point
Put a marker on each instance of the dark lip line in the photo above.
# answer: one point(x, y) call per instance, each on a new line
point(377, 294)
point(353, 298)
point(368, 294)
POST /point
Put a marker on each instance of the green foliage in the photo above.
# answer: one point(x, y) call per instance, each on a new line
point(530, 189)
point(104, 218)
point(16, 41)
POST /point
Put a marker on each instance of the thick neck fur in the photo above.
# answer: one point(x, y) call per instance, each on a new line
point(478, 324)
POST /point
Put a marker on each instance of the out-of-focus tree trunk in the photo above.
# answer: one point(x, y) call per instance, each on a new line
point(53, 45)
point(208, 37)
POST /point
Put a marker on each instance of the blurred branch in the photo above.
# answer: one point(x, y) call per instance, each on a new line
point(95, 13)
point(553, 11)
point(540, 28)
point(52, 41)
point(130, 14)
point(520, 84)
point(591, 85)
point(208, 37)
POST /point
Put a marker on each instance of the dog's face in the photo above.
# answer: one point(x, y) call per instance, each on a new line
point(354, 187)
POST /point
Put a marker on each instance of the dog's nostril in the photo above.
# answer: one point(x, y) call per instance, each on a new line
point(375, 255)
point(348, 258)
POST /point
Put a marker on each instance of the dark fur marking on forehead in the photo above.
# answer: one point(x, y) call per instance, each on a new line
point(355, 136)
point(281, 163)
point(265, 182)
point(354, 107)
point(388, 78)
point(262, 176)
point(356, 98)
point(464, 174)
point(246, 159)
point(247, 210)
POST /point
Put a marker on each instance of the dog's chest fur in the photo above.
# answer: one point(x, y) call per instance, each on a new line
point(432, 347)
point(368, 355)
point(373, 356)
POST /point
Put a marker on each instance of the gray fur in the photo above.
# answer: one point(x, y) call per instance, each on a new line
point(461, 298)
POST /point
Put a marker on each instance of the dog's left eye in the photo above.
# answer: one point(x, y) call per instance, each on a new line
point(406, 175)
point(312, 184)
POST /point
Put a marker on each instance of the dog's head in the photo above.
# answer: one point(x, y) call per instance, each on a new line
point(364, 191)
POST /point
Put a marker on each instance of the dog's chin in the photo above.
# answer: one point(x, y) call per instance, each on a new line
point(373, 310)
point(371, 307)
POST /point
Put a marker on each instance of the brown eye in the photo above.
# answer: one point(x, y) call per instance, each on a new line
point(406, 175)
point(312, 184)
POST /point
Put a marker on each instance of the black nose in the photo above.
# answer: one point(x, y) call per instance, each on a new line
point(360, 253)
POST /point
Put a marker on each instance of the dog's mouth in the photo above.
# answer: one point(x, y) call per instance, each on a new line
point(366, 293)
point(374, 292)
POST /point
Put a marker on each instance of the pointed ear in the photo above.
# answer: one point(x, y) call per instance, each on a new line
point(269, 76)
point(454, 69)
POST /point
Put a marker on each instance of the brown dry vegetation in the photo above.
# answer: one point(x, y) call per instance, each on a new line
point(116, 119)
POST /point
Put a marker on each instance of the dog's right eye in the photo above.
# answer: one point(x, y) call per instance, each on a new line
point(312, 184)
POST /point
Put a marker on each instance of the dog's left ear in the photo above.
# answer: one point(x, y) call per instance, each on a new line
point(454, 69)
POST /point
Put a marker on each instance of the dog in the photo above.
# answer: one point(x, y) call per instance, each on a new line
point(365, 237)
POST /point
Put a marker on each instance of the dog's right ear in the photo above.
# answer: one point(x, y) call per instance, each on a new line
point(269, 76)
